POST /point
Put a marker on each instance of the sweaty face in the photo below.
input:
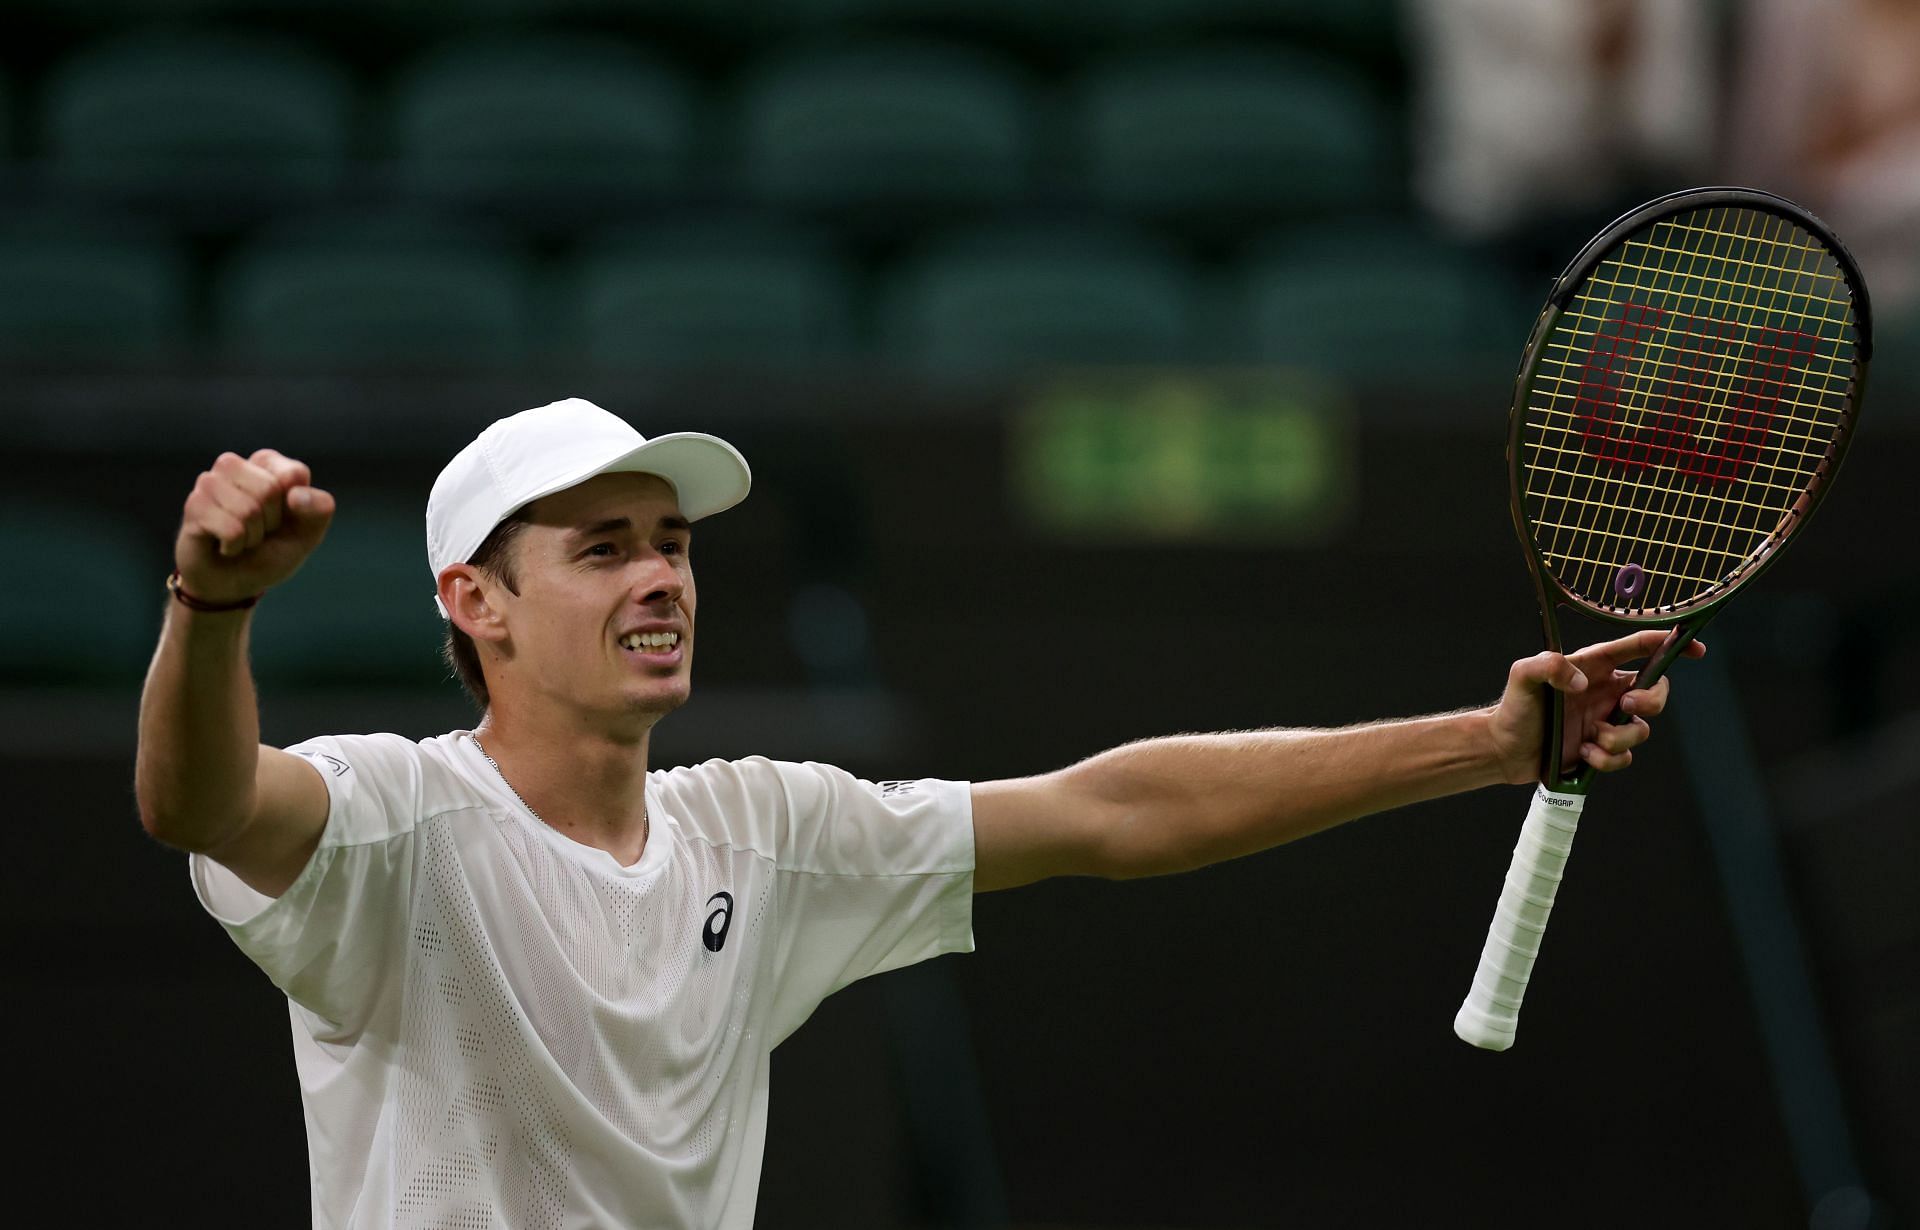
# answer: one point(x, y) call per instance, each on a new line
point(604, 616)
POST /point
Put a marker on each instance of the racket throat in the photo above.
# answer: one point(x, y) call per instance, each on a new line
point(1577, 780)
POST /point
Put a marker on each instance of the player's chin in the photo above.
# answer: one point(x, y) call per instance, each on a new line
point(660, 696)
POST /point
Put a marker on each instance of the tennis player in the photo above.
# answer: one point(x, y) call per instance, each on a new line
point(533, 981)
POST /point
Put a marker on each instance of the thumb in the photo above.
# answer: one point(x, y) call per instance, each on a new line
point(310, 509)
point(1551, 668)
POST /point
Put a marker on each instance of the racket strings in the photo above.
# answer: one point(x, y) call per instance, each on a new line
point(1677, 524)
point(1775, 351)
point(1763, 405)
point(1609, 363)
point(1683, 405)
point(1813, 453)
point(1809, 384)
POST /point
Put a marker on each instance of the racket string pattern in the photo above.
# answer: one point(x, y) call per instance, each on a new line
point(1688, 397)
point(1674, 440)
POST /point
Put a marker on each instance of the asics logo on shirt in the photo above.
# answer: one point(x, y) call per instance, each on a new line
point(714, 933)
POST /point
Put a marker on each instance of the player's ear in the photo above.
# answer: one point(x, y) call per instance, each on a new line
point(467, 594)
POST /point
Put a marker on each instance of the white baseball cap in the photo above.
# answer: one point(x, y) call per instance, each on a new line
point(550, 448)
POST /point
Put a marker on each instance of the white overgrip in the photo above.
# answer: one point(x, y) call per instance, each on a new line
point(1490, 1015)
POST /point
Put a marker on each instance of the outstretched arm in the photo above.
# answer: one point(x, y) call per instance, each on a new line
point(1173, 804)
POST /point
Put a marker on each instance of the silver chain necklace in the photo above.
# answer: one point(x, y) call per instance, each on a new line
point(504, 782)
point(646, 827)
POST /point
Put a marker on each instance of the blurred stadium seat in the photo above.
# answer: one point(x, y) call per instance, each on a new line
point(650, 16)
point(1374, 20)
point(84, 596)
point(74, 293)
point(1382, 302)
point(712, 293)
point(1896, 359)
point(900, 127)
point(1012, 297)
point(214, 125)
point(985, 21)
point(402, 291)
point(554, 128)
point(1225, 136)
point(360, 610)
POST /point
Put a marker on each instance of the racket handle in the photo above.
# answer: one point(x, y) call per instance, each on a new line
point(1490, 1015)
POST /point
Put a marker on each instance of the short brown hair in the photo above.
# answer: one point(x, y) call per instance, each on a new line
point(494, 557)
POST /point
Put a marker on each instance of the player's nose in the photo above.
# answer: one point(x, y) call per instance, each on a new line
point(656, 580)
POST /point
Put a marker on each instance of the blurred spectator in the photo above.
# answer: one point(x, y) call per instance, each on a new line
point(1531, 108)
point(1828, 112)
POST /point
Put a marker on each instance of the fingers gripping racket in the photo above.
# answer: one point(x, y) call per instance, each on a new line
point(1685, 399)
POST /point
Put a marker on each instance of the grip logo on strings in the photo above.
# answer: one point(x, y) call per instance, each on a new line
point(1693, 394)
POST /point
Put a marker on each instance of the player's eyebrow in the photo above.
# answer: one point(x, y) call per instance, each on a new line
point(617, 525)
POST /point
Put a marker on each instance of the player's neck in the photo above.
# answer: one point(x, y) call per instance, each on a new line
point(587, 785)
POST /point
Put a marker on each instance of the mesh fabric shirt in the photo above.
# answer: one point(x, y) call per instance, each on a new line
point(497, 1026)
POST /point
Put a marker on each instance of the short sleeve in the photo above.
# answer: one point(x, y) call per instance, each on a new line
point(330, 941)
point(873, 876)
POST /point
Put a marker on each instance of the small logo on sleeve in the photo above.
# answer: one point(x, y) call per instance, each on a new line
point(889, 789)
point(714, 933)
point(329, 764)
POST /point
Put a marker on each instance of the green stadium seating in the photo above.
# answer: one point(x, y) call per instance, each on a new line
point(360, 610)
point(1386, 304)
point(71, 294)
point(1077, 25)
point(986, 20)
point(551, 127)
point(710, 293)
point(214, 123)
point(1896, 360)
point(1014, 297)
point(1233, 135)
point(893, 128)
point(399, 292)
point(83, 599)
point(1351, 20)
point(563, 15)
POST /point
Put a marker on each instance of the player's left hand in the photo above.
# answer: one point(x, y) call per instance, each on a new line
point(1593, 683)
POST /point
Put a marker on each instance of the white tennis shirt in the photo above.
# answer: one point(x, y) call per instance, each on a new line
point(496, 1026)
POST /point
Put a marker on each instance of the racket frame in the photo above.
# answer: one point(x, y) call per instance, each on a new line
point(1687, 619)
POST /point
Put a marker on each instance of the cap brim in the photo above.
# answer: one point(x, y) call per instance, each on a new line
point(708, 474)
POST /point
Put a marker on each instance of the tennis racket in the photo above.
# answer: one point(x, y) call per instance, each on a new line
point(1685, 400)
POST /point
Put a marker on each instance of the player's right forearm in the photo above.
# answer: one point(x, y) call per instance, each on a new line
point(244, 529)
point(199, 731)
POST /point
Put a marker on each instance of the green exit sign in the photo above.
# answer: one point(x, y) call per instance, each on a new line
point(1265, 460)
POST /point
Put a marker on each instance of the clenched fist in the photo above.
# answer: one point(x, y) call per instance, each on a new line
point(248, 525)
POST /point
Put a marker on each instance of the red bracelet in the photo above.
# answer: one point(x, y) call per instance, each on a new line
point(188, 600)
